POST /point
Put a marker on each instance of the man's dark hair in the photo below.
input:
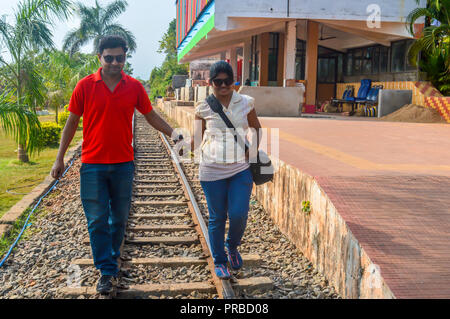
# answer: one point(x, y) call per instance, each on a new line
point(112, 42)
point(220, 67)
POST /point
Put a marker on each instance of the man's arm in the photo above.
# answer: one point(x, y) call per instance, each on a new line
point(66, 139)
point(158, 123)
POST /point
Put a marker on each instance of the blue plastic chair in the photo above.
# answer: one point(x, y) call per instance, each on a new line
point(373, 99)
point(363, 91)
point(371, 107)
point(371, 96)
point(347, 93)
point(362, 94)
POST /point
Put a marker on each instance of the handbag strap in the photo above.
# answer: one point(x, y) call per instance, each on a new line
point(216, 106)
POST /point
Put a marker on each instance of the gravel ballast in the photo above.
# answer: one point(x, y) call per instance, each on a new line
point(41, 262)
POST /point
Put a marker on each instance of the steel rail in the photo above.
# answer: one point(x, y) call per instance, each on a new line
point(225, 285)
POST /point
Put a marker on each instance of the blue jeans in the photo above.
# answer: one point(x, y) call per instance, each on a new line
point(106, 191)
point(232, 196)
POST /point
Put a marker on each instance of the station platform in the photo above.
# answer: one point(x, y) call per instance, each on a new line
point(390, 182)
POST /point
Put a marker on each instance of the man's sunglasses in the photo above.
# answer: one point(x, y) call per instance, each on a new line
point(219, 82)
point(110, 58)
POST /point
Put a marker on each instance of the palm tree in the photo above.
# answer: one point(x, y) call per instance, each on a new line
point(97, 22)
point(62, 72)
point(435, 34)
point(23, 85)
point(20, 123)
point(434, 44)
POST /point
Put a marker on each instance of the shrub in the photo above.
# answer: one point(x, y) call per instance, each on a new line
point(62, 118)
point(50, 134)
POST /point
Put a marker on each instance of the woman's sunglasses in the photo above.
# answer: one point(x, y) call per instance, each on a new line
point(219, 82)
point(118, 58)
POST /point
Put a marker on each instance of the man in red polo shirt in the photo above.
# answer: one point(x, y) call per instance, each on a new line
point(107, 100)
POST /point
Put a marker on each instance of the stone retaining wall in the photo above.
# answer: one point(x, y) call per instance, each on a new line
point(321, 235)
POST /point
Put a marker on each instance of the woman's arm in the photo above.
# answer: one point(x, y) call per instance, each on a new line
point(253, 122)
point(199, 130)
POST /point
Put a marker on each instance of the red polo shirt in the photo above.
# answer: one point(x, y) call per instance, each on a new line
point(107, 117)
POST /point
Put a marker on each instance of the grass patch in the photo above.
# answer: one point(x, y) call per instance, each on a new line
point(23, 177)
point(47, 118)
point(7, 241)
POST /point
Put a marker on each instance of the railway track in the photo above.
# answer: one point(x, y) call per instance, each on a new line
point(165, 251)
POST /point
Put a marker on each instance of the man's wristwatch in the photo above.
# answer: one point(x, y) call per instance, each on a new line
point(177, 139)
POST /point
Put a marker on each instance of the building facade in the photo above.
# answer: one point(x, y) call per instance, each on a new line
point(323, 43)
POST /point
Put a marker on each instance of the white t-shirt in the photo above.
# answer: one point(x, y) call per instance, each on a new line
point(221, 157)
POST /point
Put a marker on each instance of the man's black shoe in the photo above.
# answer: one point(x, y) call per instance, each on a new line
point(106, 284)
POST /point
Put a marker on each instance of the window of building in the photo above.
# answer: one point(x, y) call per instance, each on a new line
point(349, 64)
point(254, 63)
point(330, 65)
point(409, 67)
point(327, 71)
point(340, 72)
point(357, 61)
point(378, 59)
point(300, 60)
point(273, 56)
point(398, 56)
point(367, 60)
point(384, 59)
point(322, 70)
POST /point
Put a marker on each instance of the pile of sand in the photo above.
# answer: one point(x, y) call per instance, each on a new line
point(414, 114)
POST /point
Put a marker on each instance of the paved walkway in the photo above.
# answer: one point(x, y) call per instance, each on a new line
point(391, 184)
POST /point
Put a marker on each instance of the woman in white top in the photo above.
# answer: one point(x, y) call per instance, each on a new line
point(224, 170)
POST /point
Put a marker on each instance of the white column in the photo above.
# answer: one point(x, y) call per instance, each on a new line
point(246, 63)
point(290, 50)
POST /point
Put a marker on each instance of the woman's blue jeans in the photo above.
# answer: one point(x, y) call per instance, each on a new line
point(106, 191)
point(232, 196)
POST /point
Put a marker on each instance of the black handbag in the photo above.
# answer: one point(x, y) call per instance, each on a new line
point(262, 170)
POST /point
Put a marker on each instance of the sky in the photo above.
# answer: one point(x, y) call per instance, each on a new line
point(148, 20)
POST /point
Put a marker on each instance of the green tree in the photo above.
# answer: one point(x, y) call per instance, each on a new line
point(433, 46)
point(161, 77)
point(23, 84)
point(16, 121)
point(97, 22)
point(128, 68)
point(62, 72)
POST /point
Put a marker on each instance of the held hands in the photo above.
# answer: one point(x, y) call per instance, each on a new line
point(57, 169)
point(178, 140)
point(182, 146)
